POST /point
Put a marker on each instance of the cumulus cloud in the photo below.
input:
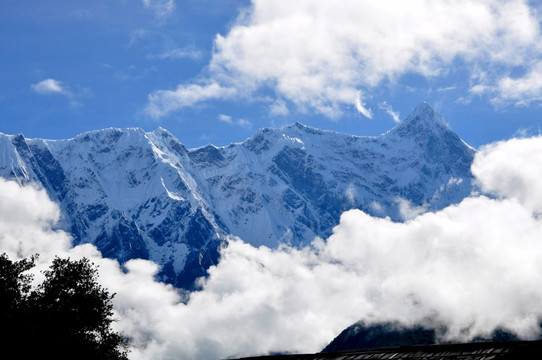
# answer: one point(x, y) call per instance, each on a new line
point(512, 169)
point(319, 54)
point(27, 229)
point(471, 267)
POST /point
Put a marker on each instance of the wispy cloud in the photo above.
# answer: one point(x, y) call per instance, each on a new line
point(521, 90)
point(239, 122)
point(518, 91)
point(136, 35)
point(56, 87)
point(163, 102)
point(160, 8)
point(360, 106)
point(244, 123)
point(225, 118)
point(178, 53)
point(389, 110)
point(447, 88)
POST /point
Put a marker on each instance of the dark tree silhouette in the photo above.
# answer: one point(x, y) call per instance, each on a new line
point(67, 316)
point(14, 289)
point(14, 284)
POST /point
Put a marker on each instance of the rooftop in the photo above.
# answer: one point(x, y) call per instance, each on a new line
point(521, 350)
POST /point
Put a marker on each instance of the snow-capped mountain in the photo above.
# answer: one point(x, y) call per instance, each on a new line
point(139, 194)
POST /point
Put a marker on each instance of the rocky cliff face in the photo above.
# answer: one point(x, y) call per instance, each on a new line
point(144, 195)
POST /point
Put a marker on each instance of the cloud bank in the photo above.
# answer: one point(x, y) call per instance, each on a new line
point(471, 267)
point(321, 56)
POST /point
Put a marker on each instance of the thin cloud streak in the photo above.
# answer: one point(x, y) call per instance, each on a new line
point(389, 110)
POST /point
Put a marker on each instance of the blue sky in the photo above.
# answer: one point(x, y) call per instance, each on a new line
point(215, 71)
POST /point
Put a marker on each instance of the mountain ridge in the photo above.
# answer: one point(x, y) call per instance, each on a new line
point(144, 194)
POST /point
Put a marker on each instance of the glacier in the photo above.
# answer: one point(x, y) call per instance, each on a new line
point(137, 194)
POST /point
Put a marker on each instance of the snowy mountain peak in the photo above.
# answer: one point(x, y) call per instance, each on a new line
point(143, 194)
point(292, 130)
point(111, 132)
point(296, 135)
point(423, 123)
point(424, 115)
point(160, 131)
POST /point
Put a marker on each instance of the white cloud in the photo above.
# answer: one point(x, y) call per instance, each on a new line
point(179, 53)
point(163, 102)
point(447, 88)
point(26, 220)
point(408, 211)
point(278, 108)
point(519, 90)
point(360, 106)
point(225, 118)
point(50, 86)
point(471, 267)
point(512, 169)
point(522, 90)
point(389, 110)
point(244, 123)
point(240, 122)
point(319, 54)
point(56, 87)
point(351, 194)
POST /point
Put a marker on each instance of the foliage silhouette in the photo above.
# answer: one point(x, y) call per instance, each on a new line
point(68, 315)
